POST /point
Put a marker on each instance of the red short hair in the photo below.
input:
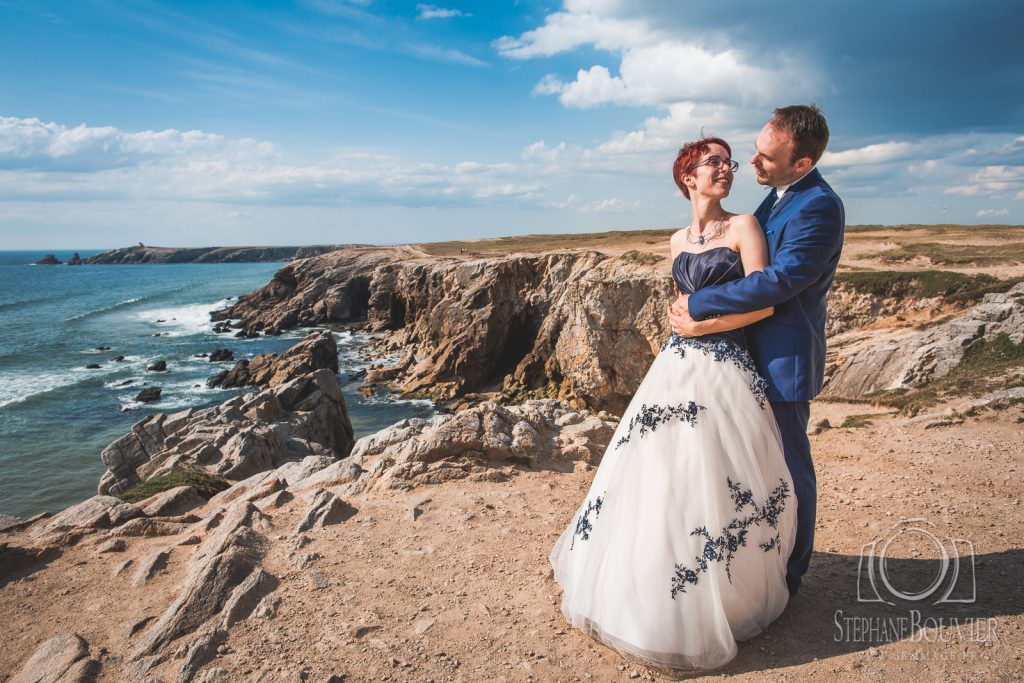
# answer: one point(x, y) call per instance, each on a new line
point(690, 154)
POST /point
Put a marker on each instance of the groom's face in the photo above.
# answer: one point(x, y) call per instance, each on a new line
point(773, 158)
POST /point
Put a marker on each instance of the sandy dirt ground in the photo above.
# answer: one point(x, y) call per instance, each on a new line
point(464, 591)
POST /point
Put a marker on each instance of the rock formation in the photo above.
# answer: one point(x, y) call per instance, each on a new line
point(317, 351)
point(861, 363)
point(209, 557)
point(300, 412)
point(488, 441)
point(577, 325)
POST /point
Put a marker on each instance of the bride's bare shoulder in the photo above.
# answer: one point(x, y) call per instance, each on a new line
point(745, 221)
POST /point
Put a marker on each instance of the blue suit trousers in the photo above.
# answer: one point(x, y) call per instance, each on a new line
point(792, 418)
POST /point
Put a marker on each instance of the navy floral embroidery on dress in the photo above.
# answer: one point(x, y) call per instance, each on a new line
point(583, 524)
point(734, 534)
point(720, 351)
point(650, 416)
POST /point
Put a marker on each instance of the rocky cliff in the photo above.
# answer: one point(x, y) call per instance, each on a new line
point(580, 325)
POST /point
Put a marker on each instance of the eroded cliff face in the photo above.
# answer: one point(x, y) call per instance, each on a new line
point(581, 325)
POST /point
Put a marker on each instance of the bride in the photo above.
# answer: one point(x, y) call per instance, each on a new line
point(680, 546)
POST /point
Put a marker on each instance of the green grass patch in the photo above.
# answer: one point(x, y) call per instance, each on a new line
point(920, 233)
point(501, 246)
point(643, 258)
point(206, 485)
point(986, 366)
point(513, 392)
point(958, 254)
point(858, 421)
point(952, 287)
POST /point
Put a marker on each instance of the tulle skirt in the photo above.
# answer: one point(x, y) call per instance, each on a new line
point(679, 548)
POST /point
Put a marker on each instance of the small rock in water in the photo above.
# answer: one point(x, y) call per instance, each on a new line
point(149, 395)
point(93, 366)
point(118, 359)
point(222, 355)
point(159, 366)
point(102, 348)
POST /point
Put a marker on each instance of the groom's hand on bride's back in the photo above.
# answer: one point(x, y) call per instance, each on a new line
point(679, 317)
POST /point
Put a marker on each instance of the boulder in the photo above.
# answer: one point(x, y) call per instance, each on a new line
point(316, 351)
point(61, 659)
point(97, 512)
point(159, 366)
point(220, 355)
point(488, 441)
point(175, 501)
point(149, 395)
point(326, 509)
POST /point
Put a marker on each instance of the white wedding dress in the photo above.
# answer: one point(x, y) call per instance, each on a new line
point(680, 546)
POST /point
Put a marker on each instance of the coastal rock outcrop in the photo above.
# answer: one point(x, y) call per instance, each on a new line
point(242, 436)
point(316, 351)
point(486, 442)
point(334, 287)
point(300, 412)
point(861, 363)
point(579, 325)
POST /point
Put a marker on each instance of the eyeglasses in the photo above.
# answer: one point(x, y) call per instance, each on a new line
point(717, 162)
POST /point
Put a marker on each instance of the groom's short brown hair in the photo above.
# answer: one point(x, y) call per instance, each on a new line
point(807, 125)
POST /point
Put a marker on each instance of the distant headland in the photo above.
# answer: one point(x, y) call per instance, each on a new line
point(148, 254)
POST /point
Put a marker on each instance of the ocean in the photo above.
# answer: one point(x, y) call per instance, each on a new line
point(56, 415)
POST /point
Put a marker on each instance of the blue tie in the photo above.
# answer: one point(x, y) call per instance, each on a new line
point(774, 197)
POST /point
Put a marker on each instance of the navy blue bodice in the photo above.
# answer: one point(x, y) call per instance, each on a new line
point(693, 271)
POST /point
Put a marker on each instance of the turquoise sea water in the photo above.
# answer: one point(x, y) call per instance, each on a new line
point(56, 415)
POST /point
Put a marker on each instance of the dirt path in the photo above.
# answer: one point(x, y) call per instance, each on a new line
point(464, 593)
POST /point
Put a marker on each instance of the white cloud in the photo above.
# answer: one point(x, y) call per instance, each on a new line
point(655, 68)
point(610, 205)
point(427, 12)
point(539, 151)
point(444, 54)
point(605, 205)
point(992, 181)
point(51, 160)
point(34, 144)
point(564, 31)
point(870, 154)
point(992, 212)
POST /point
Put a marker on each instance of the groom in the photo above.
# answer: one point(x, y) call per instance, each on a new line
point(803, 222)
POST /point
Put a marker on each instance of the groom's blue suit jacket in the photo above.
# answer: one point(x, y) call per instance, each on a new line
point(804, 231)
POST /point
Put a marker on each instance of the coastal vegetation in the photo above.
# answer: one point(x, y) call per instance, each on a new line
point(953, 287)
point(987, 366)
point(206, 485)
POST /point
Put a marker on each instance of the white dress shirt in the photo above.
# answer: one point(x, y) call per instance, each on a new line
point(782, 190)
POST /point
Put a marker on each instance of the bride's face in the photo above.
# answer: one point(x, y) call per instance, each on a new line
point(712, 175)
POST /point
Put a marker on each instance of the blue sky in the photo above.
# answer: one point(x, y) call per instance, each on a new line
point(336, 121)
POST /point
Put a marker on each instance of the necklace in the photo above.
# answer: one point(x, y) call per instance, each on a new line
point(712, 232)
